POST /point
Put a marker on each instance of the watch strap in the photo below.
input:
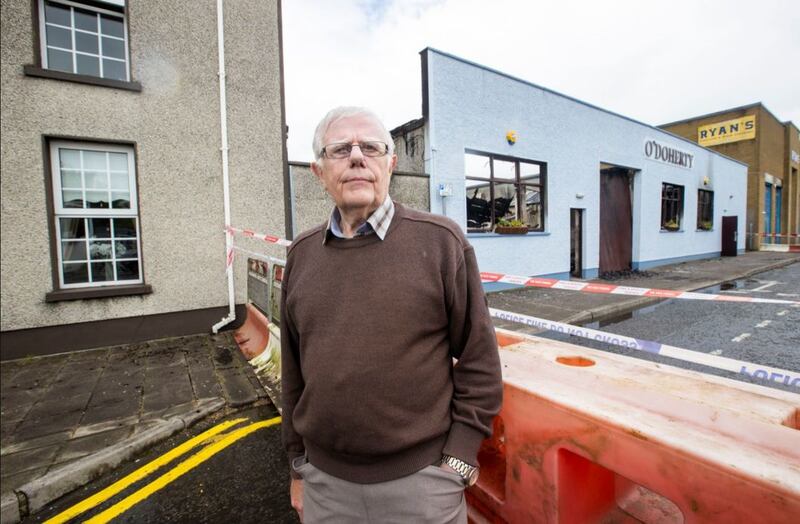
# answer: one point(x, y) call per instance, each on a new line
point(461, 467)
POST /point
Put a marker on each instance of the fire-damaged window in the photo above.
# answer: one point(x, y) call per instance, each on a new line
point(504, 188)
point(671, 206)
point(705, 209)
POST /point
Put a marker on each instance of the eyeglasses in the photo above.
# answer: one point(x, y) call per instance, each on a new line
point(342, 150)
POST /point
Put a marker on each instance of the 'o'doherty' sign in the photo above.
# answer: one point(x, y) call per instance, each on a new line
point(667, 154)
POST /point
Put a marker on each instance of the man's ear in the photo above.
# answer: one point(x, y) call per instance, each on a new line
point(316, 170)
point(393, 163)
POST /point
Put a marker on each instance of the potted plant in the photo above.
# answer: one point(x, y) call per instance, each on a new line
point(705, 225)
point(672, 225)
point(510, 227)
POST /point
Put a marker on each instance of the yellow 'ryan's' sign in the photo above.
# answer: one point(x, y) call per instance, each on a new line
point(728, 131)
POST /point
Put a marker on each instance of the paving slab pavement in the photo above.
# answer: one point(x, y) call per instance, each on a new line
point(66, 419)
point(69, 418)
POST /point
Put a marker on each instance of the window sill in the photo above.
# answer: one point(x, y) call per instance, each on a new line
point(38, 72)
point(672, 230)
point(98, 292)
point(705, 230)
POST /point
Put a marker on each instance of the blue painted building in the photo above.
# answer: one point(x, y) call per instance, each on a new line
point(595, 191)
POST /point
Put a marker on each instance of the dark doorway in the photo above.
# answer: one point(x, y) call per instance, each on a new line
point(730, 234)
point(576, 243)
point(616, 219)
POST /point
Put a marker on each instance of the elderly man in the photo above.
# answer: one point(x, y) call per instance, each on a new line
point(379, 423)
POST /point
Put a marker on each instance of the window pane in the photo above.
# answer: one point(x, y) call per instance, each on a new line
point(102, 272)
point(114, 69)
point(94, 160)
point(111, 26)
point(119, 162)
point(75, 273)
point(59, 60)
point(121, 200)
point(125, 249)
point(96, 179)
point(530, 171)
point(128, 270)
point(73, 228)
point(113, 48)
point(100, 228)
point(73, 250)
point(97, 199)
point(476, 165)
point(505, 202)
point(505, 170)
point(59, 37)
point(533, 207)
point(70, 179)
point(119, 181)
point(88, 65)
point(479, 212)
point(86, 42)
point(72, 198)
point(69, 158)
point(56, 14)
point(86, 20)
point(124, 227)
point(100, 250)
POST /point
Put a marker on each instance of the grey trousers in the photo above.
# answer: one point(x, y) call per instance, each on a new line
point(431, 495)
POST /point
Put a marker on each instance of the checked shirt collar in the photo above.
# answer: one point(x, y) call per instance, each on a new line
point(378, 222)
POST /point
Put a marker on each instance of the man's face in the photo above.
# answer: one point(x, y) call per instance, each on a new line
point(356, 183)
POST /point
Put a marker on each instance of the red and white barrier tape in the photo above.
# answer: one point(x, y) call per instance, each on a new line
point(260, 236)
point(252, 234)
point(586, 287)
point(593, 287)
point(768, 373)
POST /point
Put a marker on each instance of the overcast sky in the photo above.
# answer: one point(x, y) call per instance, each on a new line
point(656, 62)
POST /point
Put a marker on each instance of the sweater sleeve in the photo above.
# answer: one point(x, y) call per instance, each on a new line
point(292, 382)
point(477, 381)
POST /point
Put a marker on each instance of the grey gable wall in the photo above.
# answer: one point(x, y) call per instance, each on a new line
point(175, 124)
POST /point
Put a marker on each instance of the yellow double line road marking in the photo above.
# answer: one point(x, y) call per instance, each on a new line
point(187, 465)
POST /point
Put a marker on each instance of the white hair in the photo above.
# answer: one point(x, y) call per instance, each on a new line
point(345, 112)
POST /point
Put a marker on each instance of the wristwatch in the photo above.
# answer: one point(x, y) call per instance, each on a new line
point(467, 472)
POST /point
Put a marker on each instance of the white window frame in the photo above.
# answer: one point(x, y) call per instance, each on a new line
point(83, 213)
point(72, 29)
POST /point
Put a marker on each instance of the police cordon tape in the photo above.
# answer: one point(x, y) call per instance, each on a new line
point(585, 287)
point(789, 378)
point(593, 287)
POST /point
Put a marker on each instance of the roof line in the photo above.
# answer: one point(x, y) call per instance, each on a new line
point(731, 110)
point(587, 104)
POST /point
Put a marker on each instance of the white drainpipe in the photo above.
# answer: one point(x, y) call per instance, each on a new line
point(223, 124)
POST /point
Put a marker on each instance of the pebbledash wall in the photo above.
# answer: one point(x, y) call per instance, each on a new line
point(467, 106)
point(164, 112)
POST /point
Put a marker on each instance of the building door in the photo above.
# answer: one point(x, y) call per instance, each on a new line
point(616, 219)
point(576, 243)
point(778, 193)
point(767, 209)
point(730, 236)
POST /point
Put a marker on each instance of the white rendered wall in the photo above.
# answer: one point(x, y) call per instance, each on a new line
point(471, 107)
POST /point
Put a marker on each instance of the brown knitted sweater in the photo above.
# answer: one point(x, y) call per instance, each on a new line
point(369, 329)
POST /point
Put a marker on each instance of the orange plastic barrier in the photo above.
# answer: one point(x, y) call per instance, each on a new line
point(586, 436)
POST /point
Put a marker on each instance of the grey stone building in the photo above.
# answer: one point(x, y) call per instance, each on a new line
point(113, 194)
